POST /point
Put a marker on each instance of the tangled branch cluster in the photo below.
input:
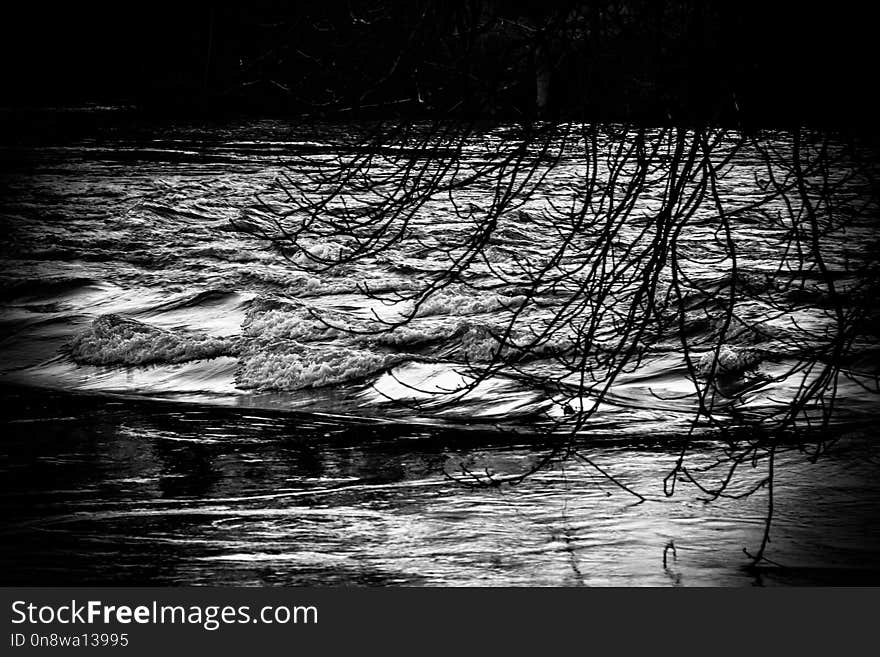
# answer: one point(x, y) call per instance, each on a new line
point(741, 264)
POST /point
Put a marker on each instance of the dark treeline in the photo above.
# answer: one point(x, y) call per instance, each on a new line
point(651, 60)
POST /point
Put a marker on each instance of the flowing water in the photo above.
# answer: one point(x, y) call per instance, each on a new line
point(175, 414)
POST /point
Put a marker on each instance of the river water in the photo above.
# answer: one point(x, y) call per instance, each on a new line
point(174, 416)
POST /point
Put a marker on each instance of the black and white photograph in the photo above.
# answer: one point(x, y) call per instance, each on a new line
point(468, 293)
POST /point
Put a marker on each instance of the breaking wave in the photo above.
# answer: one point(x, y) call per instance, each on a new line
point(447, 302)
point(295, 366)
point(115, 340)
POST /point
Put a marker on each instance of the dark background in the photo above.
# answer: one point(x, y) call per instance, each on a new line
point(655, 60)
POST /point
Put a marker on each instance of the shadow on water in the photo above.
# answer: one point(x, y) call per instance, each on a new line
point(103, 490)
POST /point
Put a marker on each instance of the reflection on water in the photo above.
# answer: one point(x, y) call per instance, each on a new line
point(104, 490)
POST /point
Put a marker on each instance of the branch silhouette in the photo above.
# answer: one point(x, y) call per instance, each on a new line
point(603, 254)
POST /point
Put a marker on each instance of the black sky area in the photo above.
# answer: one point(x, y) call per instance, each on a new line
point(766, 62)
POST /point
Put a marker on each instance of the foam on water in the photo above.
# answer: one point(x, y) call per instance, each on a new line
point(447, 302)
point(115, 340)
point(294, 366)
point(294, 321)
